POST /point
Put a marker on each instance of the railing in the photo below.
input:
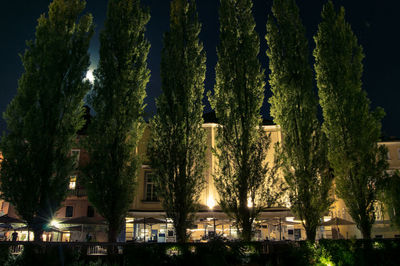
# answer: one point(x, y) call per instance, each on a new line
point(77, 192)
point(16, 249)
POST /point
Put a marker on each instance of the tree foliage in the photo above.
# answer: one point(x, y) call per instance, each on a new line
point(352, 129)
point(303, 151)
point(46, 113)
point(390, 196)
point(117, 99)
point(243, 178)
point(177, 146)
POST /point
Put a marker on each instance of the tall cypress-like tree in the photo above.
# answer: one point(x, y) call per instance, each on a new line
point(46, 113)
point(352, 129)
point(390, 196)
point(177, 147)
point(242, 144)
point(117, 99)
point(303, 151)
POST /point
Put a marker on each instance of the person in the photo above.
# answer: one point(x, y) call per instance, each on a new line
point(14, 236)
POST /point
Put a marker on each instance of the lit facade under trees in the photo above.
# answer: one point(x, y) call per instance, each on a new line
point(352, 129)
point(303, 151)
point(178, 144)
point(117, 100)
point(243, 179)
point(46, 114)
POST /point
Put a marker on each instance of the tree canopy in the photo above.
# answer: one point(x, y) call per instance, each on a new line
point(303, 150)
point(117, 100)
point(46, 114)
point(178, 144)
point(243, 178)
point(352, 129)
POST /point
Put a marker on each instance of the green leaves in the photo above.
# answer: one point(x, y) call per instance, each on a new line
point(352, 129)
point(46, 113)
point(303, 151)
point(117, 99)
point(242, 143)
point(178, 142)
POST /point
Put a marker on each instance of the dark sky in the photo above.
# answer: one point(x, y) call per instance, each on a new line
point(375, 22)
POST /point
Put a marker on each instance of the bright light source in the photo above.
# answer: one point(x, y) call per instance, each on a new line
point(54, 223)
point(249, 203)
point(90, 76)
point(211, 202)
point(290, 219)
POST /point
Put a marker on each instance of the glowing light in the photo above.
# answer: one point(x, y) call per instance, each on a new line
point(211, 202)
point(249, 203)
point(90, 76)
point(54, 223)
point(290, 219)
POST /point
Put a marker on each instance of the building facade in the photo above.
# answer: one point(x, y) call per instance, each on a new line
point(77, 219)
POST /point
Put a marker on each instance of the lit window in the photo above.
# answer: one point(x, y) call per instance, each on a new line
point(150, 189)
point(388, 156)
point(72, 182)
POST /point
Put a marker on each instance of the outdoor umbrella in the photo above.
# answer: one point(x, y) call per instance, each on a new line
point(46, 229)
point(5, 219)
point(148, 221)
point(337, 221)
point(84, 220)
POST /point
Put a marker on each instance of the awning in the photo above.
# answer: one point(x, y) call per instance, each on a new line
point(5, 219)
point(337, 221)
point(85, 220)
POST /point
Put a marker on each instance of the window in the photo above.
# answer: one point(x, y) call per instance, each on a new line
point(150, 190)
point(90, 211)
point(398, 154)
point(388, 155)
point(75, 153)
point(72, 182)
point(69, 211)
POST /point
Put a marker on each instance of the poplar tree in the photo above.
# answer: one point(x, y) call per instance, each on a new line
point(45, 115)
point(177, 146)
point(117, 100)
point(243, 177)
point(303, 151)
point(352, 129)
point(390, 196)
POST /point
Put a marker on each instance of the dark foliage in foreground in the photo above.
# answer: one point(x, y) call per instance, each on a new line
point(326, 252)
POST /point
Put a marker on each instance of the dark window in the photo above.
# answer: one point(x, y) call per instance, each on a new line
point(90, 211)
point(150, 190)
point(69, 211)
point(378, 236)
point(396, 236)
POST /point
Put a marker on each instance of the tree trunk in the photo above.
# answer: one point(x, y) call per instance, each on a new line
point(112, 233)
point(365, 226)
point(38, 234)
point(180, 230)
point(311, 233)
point(246, 232)
point(366, 230)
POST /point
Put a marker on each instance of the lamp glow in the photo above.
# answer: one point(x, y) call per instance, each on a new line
point(210, 202)
point(54, 223)
point(249, 202)
point(90, 76)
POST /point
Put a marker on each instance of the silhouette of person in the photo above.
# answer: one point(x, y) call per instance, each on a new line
point(14, 236)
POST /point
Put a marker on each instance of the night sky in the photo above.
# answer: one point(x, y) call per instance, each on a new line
point(376, 23)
